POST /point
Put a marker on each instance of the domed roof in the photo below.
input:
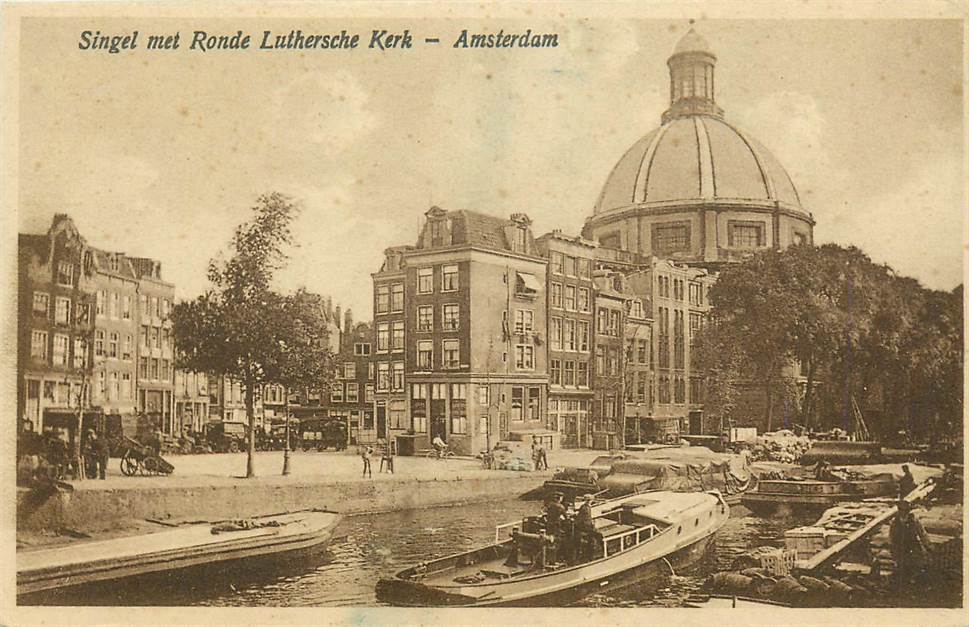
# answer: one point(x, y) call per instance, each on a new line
point(692, 41)
point(696, 157)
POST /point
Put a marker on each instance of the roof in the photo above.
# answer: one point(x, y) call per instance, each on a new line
point(102, 260)
point(692, 41)
point(480, 229)
point(696, 158)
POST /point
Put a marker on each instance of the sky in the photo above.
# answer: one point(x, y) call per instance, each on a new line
point(162, 153)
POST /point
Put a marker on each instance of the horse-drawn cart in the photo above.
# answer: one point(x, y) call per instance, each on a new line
point(141, 460)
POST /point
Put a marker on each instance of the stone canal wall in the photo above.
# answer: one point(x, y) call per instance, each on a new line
point(100, 509)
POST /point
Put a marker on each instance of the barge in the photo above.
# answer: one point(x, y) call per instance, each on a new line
point(85, 563)
point(529, 565)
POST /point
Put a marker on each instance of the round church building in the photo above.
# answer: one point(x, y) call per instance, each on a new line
point(697, 189)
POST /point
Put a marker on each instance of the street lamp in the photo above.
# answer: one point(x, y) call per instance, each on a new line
point(286, 443)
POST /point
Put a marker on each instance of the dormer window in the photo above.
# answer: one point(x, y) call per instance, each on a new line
point(521, 242)
point(437, 232)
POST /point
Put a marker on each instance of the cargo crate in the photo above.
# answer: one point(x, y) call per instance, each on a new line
point(779, 562)
point(805, 541)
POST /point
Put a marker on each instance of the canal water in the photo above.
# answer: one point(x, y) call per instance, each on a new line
point(365, 548)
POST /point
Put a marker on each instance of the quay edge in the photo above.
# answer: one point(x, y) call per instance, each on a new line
point(96, 510)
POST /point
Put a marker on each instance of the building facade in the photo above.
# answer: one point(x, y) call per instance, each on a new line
point(191, 395)
point(609, 367)
point(468, 305)
point(56, 282)
point(116, 351)
point(352, 393)
point(571, 300)
point(641, 424)
point(155, 382)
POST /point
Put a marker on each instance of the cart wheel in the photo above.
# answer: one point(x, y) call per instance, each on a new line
point(233, 447)
point(128, 466)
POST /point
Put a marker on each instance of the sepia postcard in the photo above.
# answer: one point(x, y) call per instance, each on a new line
point(483, 313)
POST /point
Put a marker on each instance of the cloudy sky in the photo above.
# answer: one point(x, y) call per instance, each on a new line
point(161, 153)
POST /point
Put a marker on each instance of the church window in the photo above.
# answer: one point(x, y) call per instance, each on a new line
point(668, 238)
point(746, 234)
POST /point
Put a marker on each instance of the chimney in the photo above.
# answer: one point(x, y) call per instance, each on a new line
point(337, 317)
point(348, 321)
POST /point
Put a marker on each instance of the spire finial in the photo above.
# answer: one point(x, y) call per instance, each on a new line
point(691, 78)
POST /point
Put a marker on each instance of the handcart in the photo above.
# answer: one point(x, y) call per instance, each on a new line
point(141, 460)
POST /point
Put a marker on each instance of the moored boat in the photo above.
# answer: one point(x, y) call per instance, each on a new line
point(530, 566)
point(813, 494)
point(172, 549)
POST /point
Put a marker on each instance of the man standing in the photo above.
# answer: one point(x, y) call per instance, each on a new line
point(554, 511)
point(910, 544)
point(387, 457)
point(542, 463)
point(96, 454)
point(907, 483)
point(365, 452)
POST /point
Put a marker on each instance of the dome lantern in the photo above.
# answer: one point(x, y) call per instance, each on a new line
point(691, 79)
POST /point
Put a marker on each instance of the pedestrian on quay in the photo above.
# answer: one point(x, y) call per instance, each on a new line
point(542, 463)
point(96, 455)
point(907, 483)
point(366, 451)
point(387, 457)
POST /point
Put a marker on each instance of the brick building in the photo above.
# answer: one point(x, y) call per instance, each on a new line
point(116, 351)
point(56, 284)
point(571, 298)
point(191, 396)
point(155, 383)
point(459, 323)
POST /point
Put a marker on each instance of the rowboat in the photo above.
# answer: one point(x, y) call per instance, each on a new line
point(530, 566)
point(172, 549)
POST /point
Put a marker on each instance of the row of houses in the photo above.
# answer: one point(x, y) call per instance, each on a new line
point(483, 332)
point(95, 334)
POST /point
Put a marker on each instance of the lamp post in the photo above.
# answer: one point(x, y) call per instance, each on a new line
point(286, 443)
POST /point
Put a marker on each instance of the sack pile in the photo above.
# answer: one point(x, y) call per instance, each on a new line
point(780, 446)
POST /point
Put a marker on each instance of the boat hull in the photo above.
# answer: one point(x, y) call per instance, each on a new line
point(407, 594)
point(682, 543)
point(47, 570)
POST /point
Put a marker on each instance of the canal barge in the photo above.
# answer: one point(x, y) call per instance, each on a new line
point(177, 548)
point(815, 495)
point(632, 535)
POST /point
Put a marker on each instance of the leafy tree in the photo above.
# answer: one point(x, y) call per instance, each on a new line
point(855, 329)
point(241, 327)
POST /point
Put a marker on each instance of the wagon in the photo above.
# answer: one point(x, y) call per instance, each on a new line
point(139, 459)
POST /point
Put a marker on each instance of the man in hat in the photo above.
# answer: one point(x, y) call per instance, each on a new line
point(910, 544)
point(96, 454)
point(554, 512)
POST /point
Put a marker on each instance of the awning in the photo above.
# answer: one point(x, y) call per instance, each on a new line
point(530, 281)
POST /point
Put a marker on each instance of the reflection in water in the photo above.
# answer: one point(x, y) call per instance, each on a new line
point(365, 548)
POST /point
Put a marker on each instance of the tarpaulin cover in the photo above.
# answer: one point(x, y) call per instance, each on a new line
point(684, 469)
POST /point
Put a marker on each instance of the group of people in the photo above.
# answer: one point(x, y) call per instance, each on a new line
point(387, 452)
point(574, 535)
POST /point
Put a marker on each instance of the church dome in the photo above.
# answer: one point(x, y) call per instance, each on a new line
point(696, 158)
point(697, 189)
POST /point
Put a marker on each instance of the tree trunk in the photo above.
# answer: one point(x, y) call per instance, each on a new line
point(808, 396)
point(251, 416)
point(769, 393)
